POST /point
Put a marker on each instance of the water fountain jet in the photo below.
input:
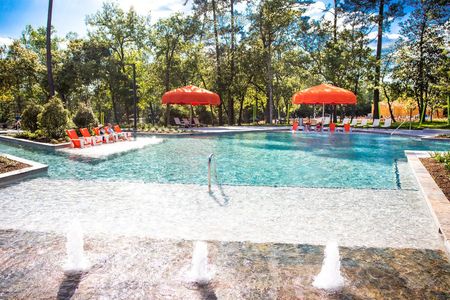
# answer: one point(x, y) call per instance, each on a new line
point(76, 259)
point(330, 277)
point(199, 272)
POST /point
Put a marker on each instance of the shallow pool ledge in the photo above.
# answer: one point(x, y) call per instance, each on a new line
point(34, 168)
point(435, 198)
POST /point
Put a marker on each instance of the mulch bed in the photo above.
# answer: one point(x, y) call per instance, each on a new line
point(8, 165)
point(439, 173)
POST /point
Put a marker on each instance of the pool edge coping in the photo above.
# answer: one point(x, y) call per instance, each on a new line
point(436, 200)
point(32, 144)
point(21, 174)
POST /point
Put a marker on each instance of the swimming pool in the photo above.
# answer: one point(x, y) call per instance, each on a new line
point(260, 159)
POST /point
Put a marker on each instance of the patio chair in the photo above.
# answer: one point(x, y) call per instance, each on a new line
point(178, 122)
point(354, 122)
point(187, 123)
point(326, 124)
point(387, 123)
point(340, 127)
point(77, 142)
point(93, 140)
point(197, 123)
point(376, 123)
point(363, 123)
point(122, 135)
point(106, 138)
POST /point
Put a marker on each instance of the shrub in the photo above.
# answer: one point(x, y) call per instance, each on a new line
point(84, 117)
point(443, 158)
point(30, 117)
point(54, 119)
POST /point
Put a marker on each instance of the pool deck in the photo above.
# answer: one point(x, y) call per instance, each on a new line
point(437, 202)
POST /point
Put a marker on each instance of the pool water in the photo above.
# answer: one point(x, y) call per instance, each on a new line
point(264, 159)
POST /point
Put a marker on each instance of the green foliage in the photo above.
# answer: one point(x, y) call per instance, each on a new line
point(30, 117)
point(84, 117)
point(54, 119)
point(443, 158)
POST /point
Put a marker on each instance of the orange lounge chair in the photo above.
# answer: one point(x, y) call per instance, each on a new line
point(76, 141)
point(106, 138)
point(112, 135)
point(121, 134)
point(93, 140)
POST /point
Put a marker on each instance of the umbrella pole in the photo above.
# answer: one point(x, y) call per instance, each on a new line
point(190, 115)
point(323, 111)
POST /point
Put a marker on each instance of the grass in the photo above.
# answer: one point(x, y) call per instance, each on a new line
point(425, 125)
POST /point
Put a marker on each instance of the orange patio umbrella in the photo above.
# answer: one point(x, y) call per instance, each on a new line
point(190, 95)
point(324, 94)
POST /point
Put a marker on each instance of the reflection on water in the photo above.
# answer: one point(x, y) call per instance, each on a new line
point(139, 268)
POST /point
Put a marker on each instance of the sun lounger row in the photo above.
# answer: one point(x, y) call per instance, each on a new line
point(317, 124)
point(101, 136)
point(186, 123)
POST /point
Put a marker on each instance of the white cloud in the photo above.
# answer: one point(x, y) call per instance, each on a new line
point(5, 41)
point(316, 10)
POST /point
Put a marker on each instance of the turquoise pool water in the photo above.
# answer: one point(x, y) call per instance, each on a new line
point(269, 159)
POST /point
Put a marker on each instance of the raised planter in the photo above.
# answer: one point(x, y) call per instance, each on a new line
point(435, 198)
point(32, 144)
point(19, 175)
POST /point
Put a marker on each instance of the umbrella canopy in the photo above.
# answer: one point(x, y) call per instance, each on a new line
point(191, 95)
point(324, 94)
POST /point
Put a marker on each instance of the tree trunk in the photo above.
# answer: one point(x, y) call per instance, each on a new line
point(232, 67)
point(376, 91)
point(51, 85)
point(269, 86)
point(389, 103)
point(218, 68)
point(241, 106)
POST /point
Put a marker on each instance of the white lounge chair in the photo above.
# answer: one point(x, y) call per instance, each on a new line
point(363, 123)
point(326, 124)
point(354, 122)
point(387, 123)
point(376, 123)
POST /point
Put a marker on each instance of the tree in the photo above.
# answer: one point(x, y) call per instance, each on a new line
point(422, 51)
point(271, 21)
point(51, 86)
point(123, 33)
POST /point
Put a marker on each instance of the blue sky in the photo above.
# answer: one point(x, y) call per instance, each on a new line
point(70, 15)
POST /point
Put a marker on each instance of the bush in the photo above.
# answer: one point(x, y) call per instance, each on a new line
point(54, 119)
point(84, 117)
point(30, 117)
point(443, 158)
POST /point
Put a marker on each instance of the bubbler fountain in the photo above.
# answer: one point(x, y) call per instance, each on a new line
point(199, 272)
point(76, 259)
point(330, 277)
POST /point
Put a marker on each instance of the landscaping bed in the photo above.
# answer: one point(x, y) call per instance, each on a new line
point(8, 165)
point(25, 135)
point(440, 174)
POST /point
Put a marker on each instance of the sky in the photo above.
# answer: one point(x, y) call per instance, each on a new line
point(70, 15)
